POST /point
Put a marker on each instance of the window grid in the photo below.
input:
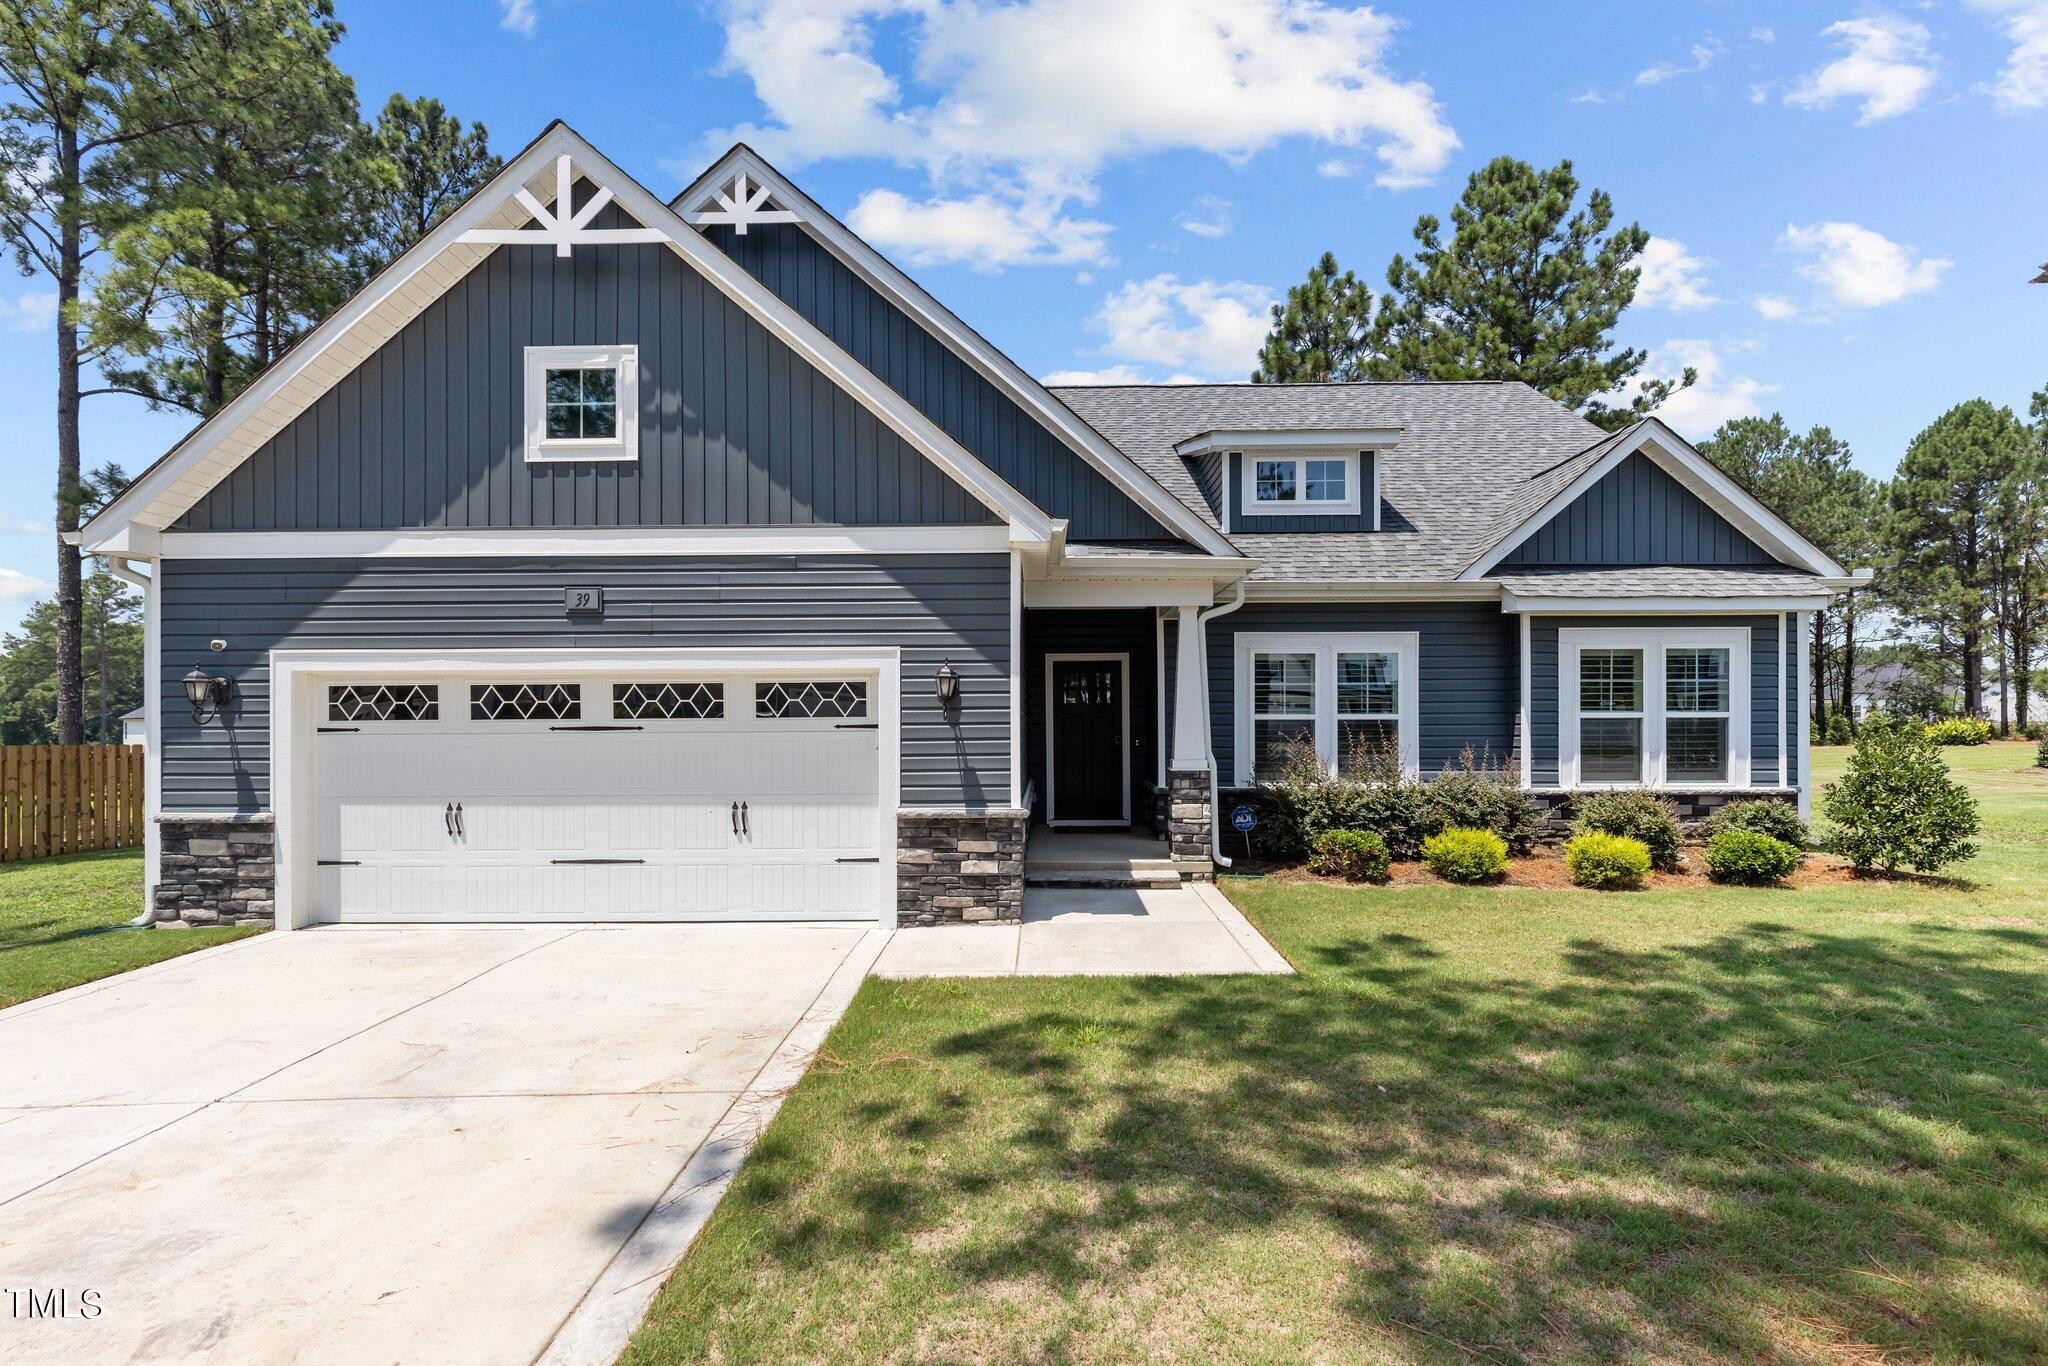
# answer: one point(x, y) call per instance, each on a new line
point(1696, 704)
point(583, 404)
point(668, 701)
point(1276, 481)
point(1283, 707)
point(811, 699)
point(525, 701)
point(383, 702)
point(1368, 707)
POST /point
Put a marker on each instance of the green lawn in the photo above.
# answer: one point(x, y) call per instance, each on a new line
point(61, 923)
point(1481, 1124)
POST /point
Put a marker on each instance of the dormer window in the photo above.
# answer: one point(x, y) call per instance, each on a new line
point(582, 403)
point(1300, 483)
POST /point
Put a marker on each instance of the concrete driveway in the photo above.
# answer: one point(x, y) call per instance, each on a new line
point(403, 1144)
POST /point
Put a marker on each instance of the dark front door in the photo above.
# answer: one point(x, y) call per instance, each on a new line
point(1088, 740)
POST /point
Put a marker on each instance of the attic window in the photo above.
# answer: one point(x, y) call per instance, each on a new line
point(582, 403)
point(1304, 483)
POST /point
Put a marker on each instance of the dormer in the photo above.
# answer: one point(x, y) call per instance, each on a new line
point(1325, 479)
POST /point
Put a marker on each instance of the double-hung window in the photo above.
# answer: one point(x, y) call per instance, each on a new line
point(582, 403)
point(1653, 707)
point(1300, 483)
point(1343, 698)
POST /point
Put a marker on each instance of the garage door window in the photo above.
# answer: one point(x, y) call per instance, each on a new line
point(668, 701)
point(384, 702)
point(525, 702)
point(813, 699)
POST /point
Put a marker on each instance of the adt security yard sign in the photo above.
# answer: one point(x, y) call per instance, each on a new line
point(1243, 818)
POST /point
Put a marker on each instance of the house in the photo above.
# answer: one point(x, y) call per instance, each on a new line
point(135, 727)
point(608, 557)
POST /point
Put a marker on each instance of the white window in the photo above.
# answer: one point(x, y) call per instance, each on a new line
point(1653, 707)
point(1300, 483)
point(1347, 696)
point(582, 403)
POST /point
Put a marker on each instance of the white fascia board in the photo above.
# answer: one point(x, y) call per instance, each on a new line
point(990, 363)
point(1370, 590)
point(1660, 606)
point(1693, 471)
point(153, 501)
point(1093, 593)
point(1350, 439)
point(583, 541)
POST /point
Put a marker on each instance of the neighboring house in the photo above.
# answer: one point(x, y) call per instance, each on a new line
point(135, 727)
point(613, 558)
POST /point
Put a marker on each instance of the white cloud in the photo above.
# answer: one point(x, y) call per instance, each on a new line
point(1204, 327)
point(16, 586)
point(30, 313)
point(518, 16)
point(1672, 277)
point(1336, 168)
point(1715, 396)
point(2023, 84)
point(1590, 95)
point(1763, 33)
point(981, 231)
point(1027, 101)
point(1111, 374)
point(1775, 308)
point(1208, 216)
point(1886, 65)
point(1703, 56)
point(1860, 268)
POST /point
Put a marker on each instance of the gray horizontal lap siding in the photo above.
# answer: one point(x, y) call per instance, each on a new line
point(1468, 670)
point(1242, 521)
point(1764, 682)
point(1637, 514)
point(735, 429)
point(935, 608)
point(938, 383)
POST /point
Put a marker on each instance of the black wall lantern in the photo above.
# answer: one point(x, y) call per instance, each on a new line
point(947, 683)
point(207, 693)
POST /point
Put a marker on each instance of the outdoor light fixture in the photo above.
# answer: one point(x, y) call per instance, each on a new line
point(207, 693)
point(947, 681)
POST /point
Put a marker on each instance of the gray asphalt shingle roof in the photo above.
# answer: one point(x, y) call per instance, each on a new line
point(1656, 580)
point(1470, 455)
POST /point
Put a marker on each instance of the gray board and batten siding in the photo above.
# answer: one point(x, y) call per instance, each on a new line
point(735, 428)
point(1769, 666)
point(935, 380)
point(936, 609)
point(1637, 514)
point(1241, 520)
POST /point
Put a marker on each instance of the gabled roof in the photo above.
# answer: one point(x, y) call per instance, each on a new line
point(459, 242)
point(1135, 480)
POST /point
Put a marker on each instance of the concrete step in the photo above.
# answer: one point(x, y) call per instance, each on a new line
point(1103, 876)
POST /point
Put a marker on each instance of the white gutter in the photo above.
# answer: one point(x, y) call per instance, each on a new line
point(1216, 853)
point(124, 570)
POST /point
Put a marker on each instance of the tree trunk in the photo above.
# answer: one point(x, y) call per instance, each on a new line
point(1818, 670)
point(70, 584)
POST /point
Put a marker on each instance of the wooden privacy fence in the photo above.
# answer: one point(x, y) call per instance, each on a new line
point(68, 799)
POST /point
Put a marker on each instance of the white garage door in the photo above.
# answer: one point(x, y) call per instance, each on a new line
point(559, 798)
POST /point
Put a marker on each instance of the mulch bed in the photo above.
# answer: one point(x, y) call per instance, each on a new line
point(1545, 868)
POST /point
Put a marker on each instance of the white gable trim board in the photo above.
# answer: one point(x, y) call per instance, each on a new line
point(435, 264)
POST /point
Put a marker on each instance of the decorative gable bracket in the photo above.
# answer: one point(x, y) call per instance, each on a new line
point(741, 205)
point(559, 226)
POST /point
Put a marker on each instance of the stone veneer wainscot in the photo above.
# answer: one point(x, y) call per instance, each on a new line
point(216, 870)
point(1189, 818)
point(960, 867)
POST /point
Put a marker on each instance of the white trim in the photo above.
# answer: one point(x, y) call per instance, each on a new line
point(1405, 646)
point(1250, 504)
point(1016, 678)
point(1374, 506)
point(1693, 471)
point(1107, 592)
point(1159, 690)
point(555, 224)
point(1663, 606)
point(297, 674)
point(491, 541)
point(740, 206)
point(1783, 699)
point(997, 368)
point(624, 363)
point(1803, 635)
point(1654, 642)
point(218, 445)
point(1528, 743)
point(1344, 438)
point(1052, 786)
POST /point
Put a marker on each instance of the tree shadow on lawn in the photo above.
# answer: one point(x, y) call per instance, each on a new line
point(1770, 1144)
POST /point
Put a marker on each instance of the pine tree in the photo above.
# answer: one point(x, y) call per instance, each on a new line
point(1526, 289)
point(1322, 335)
point(413, 165)
point(111, 619)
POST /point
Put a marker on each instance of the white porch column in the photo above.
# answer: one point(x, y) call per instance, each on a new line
point(1802, 721)
point(1190, 695)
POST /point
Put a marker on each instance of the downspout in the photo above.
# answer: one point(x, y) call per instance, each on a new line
point(1216, 854)
point(124, 570)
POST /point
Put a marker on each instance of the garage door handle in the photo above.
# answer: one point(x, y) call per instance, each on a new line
point(871, 858)
point(337, 730)
point(597, 728)
point(735, 820)
point(461, 830)
point(337, 863)
point(589, 861)
point(448, 819)
point(858, 725)
point(746, 822)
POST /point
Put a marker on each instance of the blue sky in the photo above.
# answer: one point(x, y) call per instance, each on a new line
point(1848, 201)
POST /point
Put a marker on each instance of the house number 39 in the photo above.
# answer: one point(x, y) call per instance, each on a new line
point(585, 602)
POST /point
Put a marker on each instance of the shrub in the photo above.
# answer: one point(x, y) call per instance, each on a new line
point(1480, 795)
point(1636, 814)
point(2041, 752)
point(1607, 862)
point(1465, 855)
point(1354, 855)
point(1959, 730)
point(1750, 857)
point(1896, 805)
point(1306, 801)
point(1765, 815)
point(1838, 729)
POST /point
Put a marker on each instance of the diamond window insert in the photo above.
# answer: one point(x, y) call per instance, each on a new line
point(525, 702)
point(668, 701)
point(582, 403)
point(811, 699)
point(384, 702)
